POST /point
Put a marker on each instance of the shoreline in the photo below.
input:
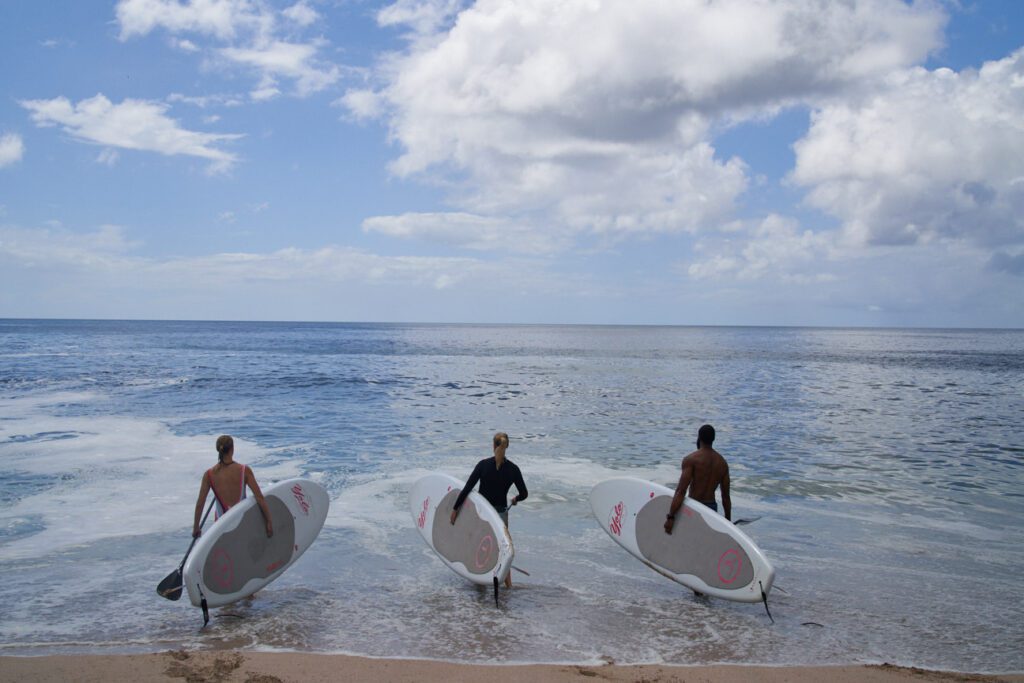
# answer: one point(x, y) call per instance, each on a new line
point(243, 666)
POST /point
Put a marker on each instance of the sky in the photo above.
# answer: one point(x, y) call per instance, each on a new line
point(680, 162)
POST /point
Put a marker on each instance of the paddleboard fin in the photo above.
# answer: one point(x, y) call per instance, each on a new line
point(764, 598)
point(496, 591)
point(202, 603)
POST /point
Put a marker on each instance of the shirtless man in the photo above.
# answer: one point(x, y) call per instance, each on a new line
point(704, 470)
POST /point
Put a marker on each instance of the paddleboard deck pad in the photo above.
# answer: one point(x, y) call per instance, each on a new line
point(234, 558)
point(477, 547)
point(705, 551)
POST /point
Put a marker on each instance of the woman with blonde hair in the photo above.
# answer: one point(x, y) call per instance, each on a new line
point(496, 476)
point(228, 480)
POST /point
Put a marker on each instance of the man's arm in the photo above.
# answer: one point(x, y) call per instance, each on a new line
point(677, 500)
point(521, 492)
point(473, 479)
point(726, 500)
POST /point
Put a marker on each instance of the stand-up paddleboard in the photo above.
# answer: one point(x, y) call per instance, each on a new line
point(477, 547)
point(234, 558)
point(705, 552)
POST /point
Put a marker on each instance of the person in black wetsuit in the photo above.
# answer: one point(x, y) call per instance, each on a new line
point(496, 476)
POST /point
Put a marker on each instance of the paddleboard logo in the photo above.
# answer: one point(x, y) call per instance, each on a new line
point(483, 551)
point(729, 566)
point(616, 521)
point(300, 497)
point(223, 569)
point(422, 520)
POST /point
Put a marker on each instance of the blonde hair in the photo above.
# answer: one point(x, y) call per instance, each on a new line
point(501, 439)
point(225, 445)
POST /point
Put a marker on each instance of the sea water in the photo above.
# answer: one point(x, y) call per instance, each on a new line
point(885, 466)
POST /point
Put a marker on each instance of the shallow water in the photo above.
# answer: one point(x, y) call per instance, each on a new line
point(886, 467)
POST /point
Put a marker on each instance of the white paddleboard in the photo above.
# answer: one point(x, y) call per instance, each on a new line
point(234, 558)
point(705, 552)
point(477, 547)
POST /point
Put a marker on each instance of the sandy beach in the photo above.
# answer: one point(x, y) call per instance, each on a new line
point(233, 666)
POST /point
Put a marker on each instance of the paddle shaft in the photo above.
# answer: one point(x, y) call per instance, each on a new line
point(195, 538)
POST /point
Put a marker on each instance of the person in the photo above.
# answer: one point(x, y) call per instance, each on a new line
point(704, 470)
point(496, 476)
point(228, 480)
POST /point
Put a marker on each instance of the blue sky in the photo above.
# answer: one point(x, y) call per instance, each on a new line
point(787, 162)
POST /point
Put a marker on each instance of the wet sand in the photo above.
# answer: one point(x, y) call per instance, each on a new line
point(233, 666)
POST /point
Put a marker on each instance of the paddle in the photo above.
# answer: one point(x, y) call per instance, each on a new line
point(170, 587)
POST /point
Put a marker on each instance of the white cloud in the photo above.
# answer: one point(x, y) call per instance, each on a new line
point(102, 250)
point(12, 149)
point(467, 231)
point(597, 118)
point(934, 155)
point(108, 251)
point(246, 32)
point(278, 59)
point(301, 13)
point(204, 101)
point(774, 249)
point(108, 157)
point(221, 18)
point(132, 124)
point(422, 16)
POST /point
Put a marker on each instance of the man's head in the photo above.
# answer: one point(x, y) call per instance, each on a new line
point(705, 436)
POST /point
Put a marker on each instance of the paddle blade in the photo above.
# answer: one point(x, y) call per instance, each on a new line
point(170, 587)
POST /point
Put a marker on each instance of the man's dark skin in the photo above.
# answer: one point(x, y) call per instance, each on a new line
point(704, 470)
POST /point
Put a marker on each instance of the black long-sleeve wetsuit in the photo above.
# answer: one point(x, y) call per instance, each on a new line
point(494, 483)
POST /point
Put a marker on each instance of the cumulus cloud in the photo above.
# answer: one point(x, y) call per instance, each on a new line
point(132, 124)
point(12, 149)
point(774, 249)
point(247, 33)
point(934, 155)
point(599, 116)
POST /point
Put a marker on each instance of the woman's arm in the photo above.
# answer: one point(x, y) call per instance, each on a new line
point(204, 489)
point(250, 480)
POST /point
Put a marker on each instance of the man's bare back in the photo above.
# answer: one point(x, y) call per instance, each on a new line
point(704, 470)
point(709, 471)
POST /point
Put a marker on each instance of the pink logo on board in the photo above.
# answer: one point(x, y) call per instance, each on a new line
point(300, 497)
point(616, 522)
point(483, 551)
point(222, 569)
point(423, 513)
point(729, 566)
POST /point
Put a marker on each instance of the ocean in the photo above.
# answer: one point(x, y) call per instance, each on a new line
point(886, 467)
